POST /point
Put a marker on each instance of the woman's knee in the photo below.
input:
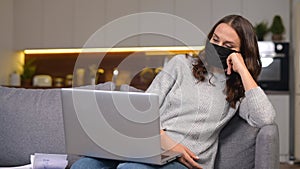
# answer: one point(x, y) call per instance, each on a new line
point(131, 165)
point(93, 163)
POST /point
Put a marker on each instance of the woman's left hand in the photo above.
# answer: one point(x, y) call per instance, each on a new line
point(235, 63)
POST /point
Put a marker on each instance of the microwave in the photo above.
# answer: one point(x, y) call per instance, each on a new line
point(275, 65)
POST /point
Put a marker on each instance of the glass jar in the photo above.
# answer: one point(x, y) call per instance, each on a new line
point(69, 80)
point(58, 82)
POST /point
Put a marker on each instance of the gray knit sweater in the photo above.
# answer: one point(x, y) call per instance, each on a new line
point(193, 113)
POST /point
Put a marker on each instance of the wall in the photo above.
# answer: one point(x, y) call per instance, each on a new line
point(70, 23)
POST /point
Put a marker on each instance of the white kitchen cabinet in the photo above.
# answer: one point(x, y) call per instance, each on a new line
point(89, 19)
point(7, 63)
point(69, 23)
point(281, 103)
point(220, 8)
point(6, 20)
point(121, 27)
point(28, 24)
point(297, 126)
point(157, 29)
point(58, 22)
point(198, 14)
point(166, 6)
point(296, 47)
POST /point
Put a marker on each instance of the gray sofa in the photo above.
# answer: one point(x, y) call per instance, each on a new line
point(31, 122)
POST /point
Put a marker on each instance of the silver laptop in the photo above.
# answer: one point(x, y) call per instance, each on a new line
point(116, 125)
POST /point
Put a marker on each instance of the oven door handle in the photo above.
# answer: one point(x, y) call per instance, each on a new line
point(274, 56)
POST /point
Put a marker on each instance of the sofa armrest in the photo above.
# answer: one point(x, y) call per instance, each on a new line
point(236, 147)
point(267, 148)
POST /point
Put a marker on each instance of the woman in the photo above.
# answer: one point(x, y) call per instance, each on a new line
point(199, 96)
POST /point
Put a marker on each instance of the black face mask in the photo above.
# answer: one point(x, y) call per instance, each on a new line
point(216, 55)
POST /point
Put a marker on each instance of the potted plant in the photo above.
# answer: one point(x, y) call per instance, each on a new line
point(28, 71)
point(261, 29)
point(277, 28)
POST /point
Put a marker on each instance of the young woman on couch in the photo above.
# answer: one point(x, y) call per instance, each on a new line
point(198, 96)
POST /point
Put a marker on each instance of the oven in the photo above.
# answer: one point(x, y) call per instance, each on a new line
point(275, 63)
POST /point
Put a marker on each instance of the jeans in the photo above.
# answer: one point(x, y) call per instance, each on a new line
point(93, 163)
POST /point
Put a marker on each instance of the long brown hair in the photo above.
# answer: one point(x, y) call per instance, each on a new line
point(249, 50)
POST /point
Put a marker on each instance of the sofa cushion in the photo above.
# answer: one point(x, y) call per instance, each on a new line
point(31, 122)
point(236, 145)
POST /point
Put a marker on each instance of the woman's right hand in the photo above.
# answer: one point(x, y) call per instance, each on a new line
point(188, 157)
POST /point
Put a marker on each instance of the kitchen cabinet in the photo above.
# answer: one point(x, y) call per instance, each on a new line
point(87, 23)
point(197, 13)
point(7, 63)
point(70, 23)
point(281, 103)
point(6, 33)
point(159, 28)
point(296, 44)
point(297, 126)
point(220, 9)
point(58, 23)
point(119, 32)
point(28, 24)
point(43, 24)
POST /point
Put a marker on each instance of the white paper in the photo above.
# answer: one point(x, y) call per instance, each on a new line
point(49, 161)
